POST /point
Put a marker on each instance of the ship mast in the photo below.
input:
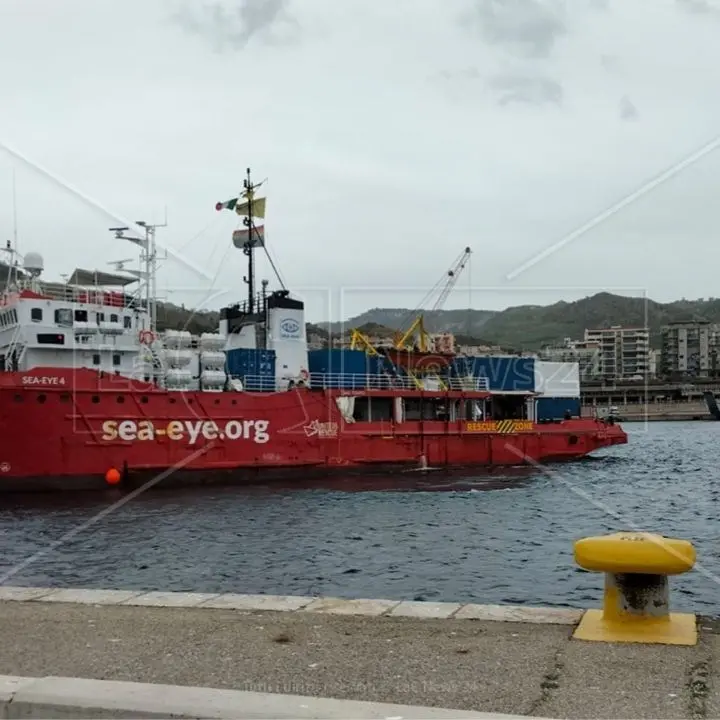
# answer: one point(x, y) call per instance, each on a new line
point(252, 236)
point(248, 247)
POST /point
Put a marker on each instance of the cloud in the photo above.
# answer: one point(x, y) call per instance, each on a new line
point(236, 23)
point(533, 90)
point(628, 111)
point(528, 27)
point(701, 7)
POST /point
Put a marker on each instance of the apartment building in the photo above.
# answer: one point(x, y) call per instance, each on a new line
point(586, 355)
point(689, 349)
point(624, 351)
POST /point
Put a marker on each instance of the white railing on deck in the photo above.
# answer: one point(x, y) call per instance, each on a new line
point(350, 381)
point(89, 296)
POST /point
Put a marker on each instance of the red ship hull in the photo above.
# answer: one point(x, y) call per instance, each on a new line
point(65, 428)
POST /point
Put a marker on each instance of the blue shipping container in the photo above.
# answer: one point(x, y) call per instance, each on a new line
point(338, 362)
point(249, 361)
point(554, 408)
point(503, 373)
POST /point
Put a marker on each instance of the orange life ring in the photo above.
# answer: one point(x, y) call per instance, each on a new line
point(146, 337)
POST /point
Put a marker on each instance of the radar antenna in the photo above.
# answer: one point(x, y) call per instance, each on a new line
point(120, 264)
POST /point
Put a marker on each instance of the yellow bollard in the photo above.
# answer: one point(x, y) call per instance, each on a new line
point(636, 604)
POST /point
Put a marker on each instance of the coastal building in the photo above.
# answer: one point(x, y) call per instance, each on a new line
point(624, 351)
point(585, 354)
point(316, 341)
point(653, 363)
point(689, 349)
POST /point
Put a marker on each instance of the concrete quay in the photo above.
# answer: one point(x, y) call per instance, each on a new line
point(493, 659)
point(655, 412)
point(60, 697)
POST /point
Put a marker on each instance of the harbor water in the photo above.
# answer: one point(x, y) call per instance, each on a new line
point(493, 537)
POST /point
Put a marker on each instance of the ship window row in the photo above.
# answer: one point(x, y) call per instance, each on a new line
point(115, 359)
point(8, 317)
point(65, 316)
point(95, 399)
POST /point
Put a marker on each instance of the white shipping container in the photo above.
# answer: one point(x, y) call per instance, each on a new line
point(557, 379)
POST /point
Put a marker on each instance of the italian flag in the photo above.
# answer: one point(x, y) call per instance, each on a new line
point(227, 205)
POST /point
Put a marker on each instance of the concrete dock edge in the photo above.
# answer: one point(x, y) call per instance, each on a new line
point(60, 697)
point(292, 603)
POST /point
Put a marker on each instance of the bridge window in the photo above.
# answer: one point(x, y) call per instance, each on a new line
point(36, 314)
point(127, 322)
point(81, 316)
point(116, 358)
point(99, 317)
point(114, 318)
point(96, 359)
point(51, 339)
point(63, 316)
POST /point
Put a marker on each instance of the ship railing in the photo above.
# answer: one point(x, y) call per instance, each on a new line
point(90, 296)
point(353, 381)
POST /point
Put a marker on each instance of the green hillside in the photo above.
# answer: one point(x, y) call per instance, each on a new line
point(527, 327)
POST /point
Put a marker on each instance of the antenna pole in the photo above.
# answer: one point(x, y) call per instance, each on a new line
point(148, 256)
point(14, 198)
point(248, 249)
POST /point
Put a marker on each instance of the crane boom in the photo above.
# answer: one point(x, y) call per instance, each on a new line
point(417, 328)
point(453, 274)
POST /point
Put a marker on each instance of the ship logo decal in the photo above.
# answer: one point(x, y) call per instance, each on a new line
point(289, 328)
point(5, 467)
point(321, 429)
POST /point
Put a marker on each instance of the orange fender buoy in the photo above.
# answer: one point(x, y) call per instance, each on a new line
point(112, 476)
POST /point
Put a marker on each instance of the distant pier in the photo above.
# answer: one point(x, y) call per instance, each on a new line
point(653, 411)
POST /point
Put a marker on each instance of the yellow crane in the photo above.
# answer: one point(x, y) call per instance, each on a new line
point(360, 341)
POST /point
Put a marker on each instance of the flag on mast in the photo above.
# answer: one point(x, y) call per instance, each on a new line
point(242, 208)
point(249, 237)
point(227, 205)
point(258, 208)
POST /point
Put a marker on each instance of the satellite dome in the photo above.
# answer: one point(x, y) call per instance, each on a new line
point(33, 263)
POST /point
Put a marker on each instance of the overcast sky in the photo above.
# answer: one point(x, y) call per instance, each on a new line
point(392, 135)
